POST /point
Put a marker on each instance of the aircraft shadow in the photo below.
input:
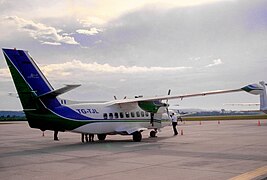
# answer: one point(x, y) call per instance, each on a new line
point(106, 145)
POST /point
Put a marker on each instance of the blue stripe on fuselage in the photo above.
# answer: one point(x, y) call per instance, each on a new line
point(63, 111)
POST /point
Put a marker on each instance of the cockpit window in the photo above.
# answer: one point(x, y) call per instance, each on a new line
point(142, 114)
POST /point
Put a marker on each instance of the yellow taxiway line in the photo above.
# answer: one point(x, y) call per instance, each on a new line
point(252, 174)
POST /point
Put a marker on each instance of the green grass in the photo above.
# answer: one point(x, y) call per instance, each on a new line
point(13, 119)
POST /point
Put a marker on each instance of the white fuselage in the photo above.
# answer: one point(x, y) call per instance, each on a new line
point(115, 119)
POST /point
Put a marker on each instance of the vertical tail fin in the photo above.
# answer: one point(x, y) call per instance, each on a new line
point(29, 80)
point(37, 96)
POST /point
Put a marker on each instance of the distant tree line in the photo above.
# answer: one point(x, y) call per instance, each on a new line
point(12, 116)
point(223, 113)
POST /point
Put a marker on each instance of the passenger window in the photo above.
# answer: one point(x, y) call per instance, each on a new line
point(132, 114)
point(121, 114)
point(137, 114)
point(105, 115)
point(147, 114)
point(142, 114)
point(110, 116)
point(127, 114)
point(116, 115)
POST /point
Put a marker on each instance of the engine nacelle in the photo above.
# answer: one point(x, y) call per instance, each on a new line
point(151, 106)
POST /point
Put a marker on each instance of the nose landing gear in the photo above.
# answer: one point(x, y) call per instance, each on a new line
point(153, 133)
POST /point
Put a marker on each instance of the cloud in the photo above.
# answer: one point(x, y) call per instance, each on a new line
point(91, 32)
point(91, 21)
point(52, 43)
point(216, 62)
point(68, 69)
point(43, 33)
point(4, 74)
point(140, 38)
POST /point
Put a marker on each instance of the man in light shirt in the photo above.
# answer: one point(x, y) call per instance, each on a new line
point(174, 123)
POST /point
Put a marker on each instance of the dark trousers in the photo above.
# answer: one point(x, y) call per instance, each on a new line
point(84, 136)
point(174, 124)
point(55, 135)
point(91, 137)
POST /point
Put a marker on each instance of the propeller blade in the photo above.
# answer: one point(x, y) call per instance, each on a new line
point(169, 92)
point(167, 109)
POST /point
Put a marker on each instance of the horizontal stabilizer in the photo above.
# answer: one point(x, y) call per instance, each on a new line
point(60, 91)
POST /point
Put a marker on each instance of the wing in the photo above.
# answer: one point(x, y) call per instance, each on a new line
point(158, 98)
point(252, 88)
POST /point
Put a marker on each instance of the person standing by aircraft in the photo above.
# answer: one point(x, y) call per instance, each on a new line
point(55, 135)
point(174, 123)
point(84, 136)
point(91, 137)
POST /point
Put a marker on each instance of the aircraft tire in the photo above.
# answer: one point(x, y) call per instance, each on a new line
point(101, 137)
point(137, 136)
point(152, 133)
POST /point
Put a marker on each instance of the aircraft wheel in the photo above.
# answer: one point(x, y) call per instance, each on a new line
point(101, 137)
point(137, 136)
point(152, 133)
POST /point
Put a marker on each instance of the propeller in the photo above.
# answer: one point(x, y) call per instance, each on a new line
point(115, 97)
point(167, 105)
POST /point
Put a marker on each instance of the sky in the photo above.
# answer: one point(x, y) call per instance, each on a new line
point(142, 47)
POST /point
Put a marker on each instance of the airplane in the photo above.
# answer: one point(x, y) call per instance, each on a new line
point(262, 104)
point(44, 110)
point(245, 105)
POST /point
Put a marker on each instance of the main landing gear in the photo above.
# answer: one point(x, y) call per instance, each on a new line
point(137, 136)
point(153, 133)
point(101, 137)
